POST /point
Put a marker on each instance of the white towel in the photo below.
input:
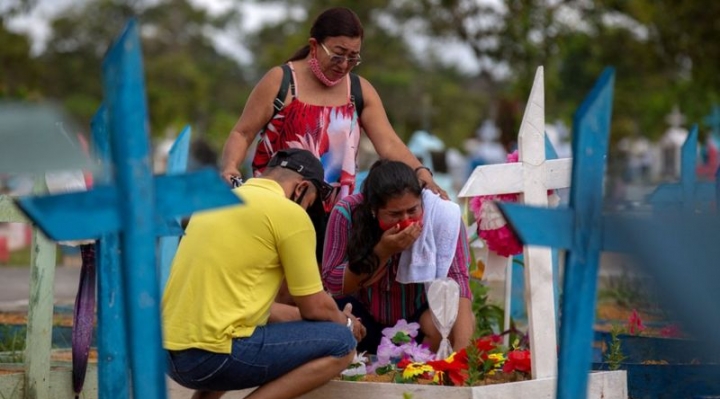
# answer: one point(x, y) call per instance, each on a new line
point(431, 255)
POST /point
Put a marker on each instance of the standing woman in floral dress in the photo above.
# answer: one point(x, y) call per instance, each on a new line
point(319, 112)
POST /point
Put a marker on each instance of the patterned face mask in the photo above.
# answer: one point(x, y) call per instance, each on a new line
point(315, 68)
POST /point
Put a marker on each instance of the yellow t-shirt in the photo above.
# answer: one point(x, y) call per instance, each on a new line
point(230, 265)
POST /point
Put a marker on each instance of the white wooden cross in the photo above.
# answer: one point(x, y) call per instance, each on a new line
point(532, 177)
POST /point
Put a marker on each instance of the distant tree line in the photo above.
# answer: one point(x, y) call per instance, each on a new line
point(664, 52)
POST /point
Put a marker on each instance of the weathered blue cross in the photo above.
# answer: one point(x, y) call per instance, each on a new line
point(578, 228)
point(688, 194)
point(112, 325)
point(713, 121)
point(132, 206)
point(176, 164)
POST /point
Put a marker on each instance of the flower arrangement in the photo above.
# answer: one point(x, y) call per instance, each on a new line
point(492, 226)
point(402, 360)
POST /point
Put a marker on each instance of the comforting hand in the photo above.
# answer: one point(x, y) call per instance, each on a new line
point(432, 186)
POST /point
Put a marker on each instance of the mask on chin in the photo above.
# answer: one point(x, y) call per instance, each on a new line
point(403, 224)
point(314, 65)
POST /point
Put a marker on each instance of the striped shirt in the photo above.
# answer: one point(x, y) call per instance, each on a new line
point(387, 300)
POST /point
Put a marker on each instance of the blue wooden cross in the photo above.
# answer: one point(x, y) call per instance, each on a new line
point(176, 164)
point(131, 206)
point(688, 195)
point(578, 228)
point(713, 121)
point(112, 325)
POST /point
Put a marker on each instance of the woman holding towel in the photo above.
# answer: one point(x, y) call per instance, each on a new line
point(370, 237)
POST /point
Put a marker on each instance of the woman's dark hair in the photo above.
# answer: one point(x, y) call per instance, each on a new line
point(338, 21)
point(386, 180)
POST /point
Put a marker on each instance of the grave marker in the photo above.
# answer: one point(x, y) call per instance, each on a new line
point(132, 206)
point(578, 228)
point(176, 164)
point(688, 194)
point(23, 126)
point(112, 325)
point(671, 143)
point(532, 176)
point(713, 121)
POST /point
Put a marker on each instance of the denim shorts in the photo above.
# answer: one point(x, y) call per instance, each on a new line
point(271, 351)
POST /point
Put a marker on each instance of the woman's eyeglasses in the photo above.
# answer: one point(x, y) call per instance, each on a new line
point(339, 59)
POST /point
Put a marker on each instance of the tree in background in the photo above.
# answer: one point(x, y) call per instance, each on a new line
point(664, 51)
point(19, 72)
point(418, 92)
point(189, 81)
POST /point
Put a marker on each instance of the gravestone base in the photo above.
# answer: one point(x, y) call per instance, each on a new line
point(601, 385)
point(12, 381)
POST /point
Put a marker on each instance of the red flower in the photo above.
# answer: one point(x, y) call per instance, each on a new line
point(671, 331)
point(485, 344)
point(456, 370)
point(517, 360)
point(404, 363)
point(635, 325)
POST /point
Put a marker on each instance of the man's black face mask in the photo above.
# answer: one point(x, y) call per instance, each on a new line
point(298, 199)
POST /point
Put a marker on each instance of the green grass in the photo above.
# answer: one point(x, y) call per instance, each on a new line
point(21, 257)
point(12, 343)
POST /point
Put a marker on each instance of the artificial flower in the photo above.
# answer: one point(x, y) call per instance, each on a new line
point(387, 351)
point(411, 360)
point(635, 324)
point(357, 368)
point(498, 358)
point(417, 352)
point(671, 331)
point(492, 226)
point(403, 363)
point(413, 370)
point(402, 327)
point(454, 367)
point(479, 270)
point(517, 360)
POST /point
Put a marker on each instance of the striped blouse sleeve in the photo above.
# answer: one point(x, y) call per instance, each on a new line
point(459, 269)
point(335, 251)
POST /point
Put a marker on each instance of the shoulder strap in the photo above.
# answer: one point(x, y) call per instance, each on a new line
point(279, 102)
point(356, 96)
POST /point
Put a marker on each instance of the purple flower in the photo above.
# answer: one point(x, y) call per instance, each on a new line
point(387, 350)
point(402, 326)
point(418, 353)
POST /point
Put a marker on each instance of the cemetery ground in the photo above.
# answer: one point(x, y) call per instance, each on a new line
point(621, 291)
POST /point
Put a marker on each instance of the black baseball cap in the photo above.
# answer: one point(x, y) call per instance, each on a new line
point(306, 165)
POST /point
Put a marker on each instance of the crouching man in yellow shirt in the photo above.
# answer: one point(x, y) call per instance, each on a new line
point(223, 329)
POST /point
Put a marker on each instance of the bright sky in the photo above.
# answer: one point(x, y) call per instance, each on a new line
point(254, 16)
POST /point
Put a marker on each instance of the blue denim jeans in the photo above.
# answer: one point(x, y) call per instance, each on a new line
point(272, 351)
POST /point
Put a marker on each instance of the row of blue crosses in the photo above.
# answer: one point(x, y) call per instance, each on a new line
point(127, 215)
point(584, 231)
point(688, 195)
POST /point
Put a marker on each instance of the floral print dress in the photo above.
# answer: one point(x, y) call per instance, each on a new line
point(332, 133)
